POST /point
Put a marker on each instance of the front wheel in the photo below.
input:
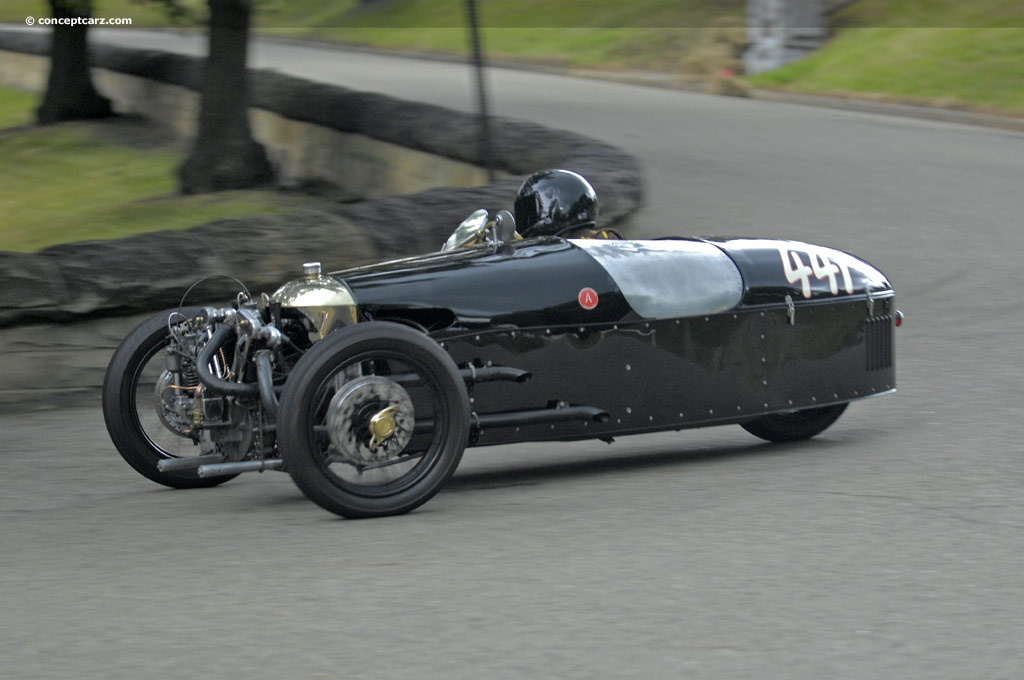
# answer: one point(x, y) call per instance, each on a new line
point(141, 422)
point(373, 420)
point(795, 425)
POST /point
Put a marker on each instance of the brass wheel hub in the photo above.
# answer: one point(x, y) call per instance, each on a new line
point(382, 426)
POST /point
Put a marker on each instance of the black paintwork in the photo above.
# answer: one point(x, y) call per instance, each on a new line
point(528, 283)
point(760, 262)
point(518, 307)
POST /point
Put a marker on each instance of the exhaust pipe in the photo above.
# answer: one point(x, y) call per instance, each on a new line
point(188, 463)
point(221, 469)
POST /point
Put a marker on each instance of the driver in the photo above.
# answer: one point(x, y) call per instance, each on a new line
point(549, 203)
point(558, 203)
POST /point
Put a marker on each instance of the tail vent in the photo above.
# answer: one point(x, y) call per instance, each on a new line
point(879, 336)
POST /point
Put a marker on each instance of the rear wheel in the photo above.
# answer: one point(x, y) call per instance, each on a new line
point(795, 425)
point(373, 420)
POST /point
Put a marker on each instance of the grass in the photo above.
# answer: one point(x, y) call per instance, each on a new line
point(980, 68)
point(945, 52)
point(968, 67)
point(652, 34)
point(16, 107)
point(611, 33)
point(62, 184)
point(143, 13)
point(931, 14)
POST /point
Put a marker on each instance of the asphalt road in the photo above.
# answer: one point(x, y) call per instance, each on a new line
point(889, 547)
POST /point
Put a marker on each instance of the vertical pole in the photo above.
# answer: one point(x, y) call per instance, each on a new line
point(486, 148)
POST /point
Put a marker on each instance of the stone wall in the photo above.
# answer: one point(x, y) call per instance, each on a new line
point(420, 175)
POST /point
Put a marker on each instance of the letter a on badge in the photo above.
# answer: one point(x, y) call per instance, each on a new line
point(588, 298)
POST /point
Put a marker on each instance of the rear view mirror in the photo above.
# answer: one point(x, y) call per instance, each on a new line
point(504, 227)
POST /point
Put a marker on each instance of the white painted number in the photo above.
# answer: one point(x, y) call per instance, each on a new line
point(818, 265)
point(824, 269)
point(800, 273)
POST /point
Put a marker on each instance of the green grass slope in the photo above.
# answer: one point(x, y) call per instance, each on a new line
point(955, 54)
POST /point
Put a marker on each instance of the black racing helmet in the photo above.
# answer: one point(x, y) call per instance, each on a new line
point(552, 202)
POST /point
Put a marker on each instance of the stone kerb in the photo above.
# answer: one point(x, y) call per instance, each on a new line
point(76, 287)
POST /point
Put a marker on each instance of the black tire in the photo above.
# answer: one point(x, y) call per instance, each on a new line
point(796, 425)
point(326, 406)
point(130, 409)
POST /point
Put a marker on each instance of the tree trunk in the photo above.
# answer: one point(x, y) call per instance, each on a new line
point(225, 155)
point(70, 94)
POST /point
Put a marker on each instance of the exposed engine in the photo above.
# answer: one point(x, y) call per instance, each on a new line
point(225, 367)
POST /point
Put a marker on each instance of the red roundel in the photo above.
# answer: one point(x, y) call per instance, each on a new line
point(587, 298)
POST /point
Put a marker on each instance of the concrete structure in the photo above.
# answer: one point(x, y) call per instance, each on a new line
point(781, 31)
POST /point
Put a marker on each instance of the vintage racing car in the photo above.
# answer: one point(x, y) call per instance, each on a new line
point(366, 385)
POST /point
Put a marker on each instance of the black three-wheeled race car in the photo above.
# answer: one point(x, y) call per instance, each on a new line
point(366, 385)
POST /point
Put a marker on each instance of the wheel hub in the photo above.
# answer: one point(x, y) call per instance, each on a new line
point(370, 420)
point(382, 426)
